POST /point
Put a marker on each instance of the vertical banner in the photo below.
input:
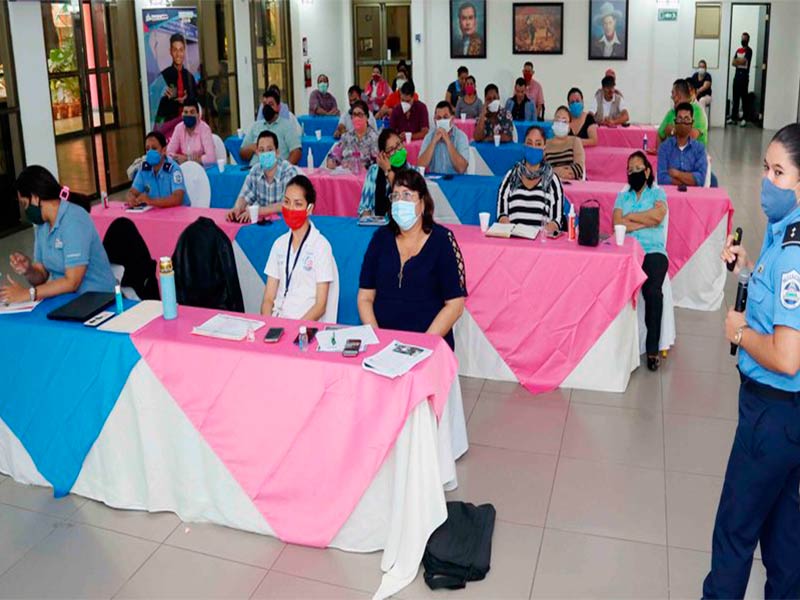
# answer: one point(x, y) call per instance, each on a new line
point(172, 55)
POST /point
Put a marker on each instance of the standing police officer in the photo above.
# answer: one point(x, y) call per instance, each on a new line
point(760, 500)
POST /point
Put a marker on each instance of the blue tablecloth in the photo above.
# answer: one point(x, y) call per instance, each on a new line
point(348, 240)
point(225, 186)
point(319, 148)
point(312, 123)
point(522, 127)
point(61, 382)
point(500, 158)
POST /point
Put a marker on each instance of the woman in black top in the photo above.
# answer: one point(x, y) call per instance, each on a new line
point(702, 84)
point(412, 277)
point(583, 124)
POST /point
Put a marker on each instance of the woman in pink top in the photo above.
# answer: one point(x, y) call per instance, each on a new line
point(376, 90)
point(192, 139)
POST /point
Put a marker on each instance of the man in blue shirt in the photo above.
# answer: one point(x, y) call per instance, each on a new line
point(445, 149)
point(159, 181)
point(682, 160)
point(288, 135)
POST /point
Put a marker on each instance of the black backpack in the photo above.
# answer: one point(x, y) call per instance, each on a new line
point(589, 223)
point(461, 548)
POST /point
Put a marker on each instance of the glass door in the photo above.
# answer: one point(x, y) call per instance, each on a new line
point(12, 159)
point(382, 33)
point(98, 121)
point(272, 49)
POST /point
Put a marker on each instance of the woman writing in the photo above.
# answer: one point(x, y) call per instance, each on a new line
point(531, 193)
point(68, 255)
point(412, 277)
point(759, 500)
point(642, 208)
point(583, 124)
point(565, 152)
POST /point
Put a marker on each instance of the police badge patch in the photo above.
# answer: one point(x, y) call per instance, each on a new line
point(177, 177)
point(790, 289)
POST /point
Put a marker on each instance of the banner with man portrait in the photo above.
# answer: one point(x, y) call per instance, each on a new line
point(172, 57)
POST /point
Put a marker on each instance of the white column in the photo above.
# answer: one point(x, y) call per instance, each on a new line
point(244, 62)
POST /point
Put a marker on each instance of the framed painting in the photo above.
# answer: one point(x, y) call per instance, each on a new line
point(608, 29)
point(538, 28)
point(467, 28)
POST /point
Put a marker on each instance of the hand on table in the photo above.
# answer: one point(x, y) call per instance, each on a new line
point(503, 220)
point(551, 227)
point(13, 292)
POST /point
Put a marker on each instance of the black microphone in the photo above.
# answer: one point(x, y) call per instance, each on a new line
point(741, 299)
point(737, 239)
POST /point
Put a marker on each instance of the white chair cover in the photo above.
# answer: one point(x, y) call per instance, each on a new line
point(219, 147)
point(197, 184)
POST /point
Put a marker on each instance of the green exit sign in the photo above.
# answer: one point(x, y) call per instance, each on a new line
point(667, 14)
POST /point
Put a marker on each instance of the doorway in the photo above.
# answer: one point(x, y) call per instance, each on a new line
point(754, 20)
point(382, 36)
point(94, 91)
point(272, 49)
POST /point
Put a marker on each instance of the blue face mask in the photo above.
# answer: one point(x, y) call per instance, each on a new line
point(189, 121)
point(576, 109)
point(267, 160)
point(404, 214)
point(533, 156)
point(776, 202)
point(153, 157)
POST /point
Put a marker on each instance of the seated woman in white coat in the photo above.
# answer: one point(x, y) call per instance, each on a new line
point(300, 269)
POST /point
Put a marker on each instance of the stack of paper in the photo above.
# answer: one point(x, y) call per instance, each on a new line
point(226, 327)
point(334, 339)
point(17, 307)
point(396, 359)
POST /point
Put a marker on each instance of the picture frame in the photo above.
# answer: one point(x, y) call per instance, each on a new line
point(537, 28)
point(468, 29)
point(608, 29)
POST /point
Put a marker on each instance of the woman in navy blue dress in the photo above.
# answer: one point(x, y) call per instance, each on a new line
point(412, 277)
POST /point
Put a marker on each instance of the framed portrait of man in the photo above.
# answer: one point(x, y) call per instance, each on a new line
point(608, 29)
point(538, 28)
point(467, 28)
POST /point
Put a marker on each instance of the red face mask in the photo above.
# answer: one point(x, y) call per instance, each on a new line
point(527, 76)
point(295, 219)
point(469, 89)
point(376, 77)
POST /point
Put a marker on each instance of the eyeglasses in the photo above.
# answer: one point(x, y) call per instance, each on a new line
point(358, 114)
point(684, 121)
point(404, 196)
point(393, 149)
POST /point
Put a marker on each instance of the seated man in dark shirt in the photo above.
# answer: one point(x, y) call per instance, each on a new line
point(181, 86)
point(519, 105)
point(411, 116)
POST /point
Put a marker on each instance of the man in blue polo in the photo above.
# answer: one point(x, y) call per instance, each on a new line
point(159, 181)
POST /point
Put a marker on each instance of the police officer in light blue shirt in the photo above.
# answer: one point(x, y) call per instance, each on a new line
point(159, 181)
point(445, 149)
point(760, 500)
point(68, 254)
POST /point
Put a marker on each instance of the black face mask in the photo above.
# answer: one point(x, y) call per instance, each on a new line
point(745, 42)
point(269, 112)
point(636, 180)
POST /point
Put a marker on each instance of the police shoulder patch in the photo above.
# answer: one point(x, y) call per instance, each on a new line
point(792, 235)
point(177, 177)
point(790, 289)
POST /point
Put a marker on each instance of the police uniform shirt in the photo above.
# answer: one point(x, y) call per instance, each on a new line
point(773, 295)
point(72, 242)
point(161, 184)
point(315, 265)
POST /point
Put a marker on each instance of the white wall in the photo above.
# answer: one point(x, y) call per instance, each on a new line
point(27, 42)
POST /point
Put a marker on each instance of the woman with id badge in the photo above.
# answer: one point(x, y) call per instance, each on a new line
point(760, 501)
point(68, 255)
point(300, 268)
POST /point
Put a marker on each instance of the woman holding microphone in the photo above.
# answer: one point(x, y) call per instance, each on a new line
point(760, 500)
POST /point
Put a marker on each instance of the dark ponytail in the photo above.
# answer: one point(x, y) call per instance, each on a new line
point(35, 180)
point(789, 137)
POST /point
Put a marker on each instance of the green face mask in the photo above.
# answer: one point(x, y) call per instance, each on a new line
point(398, 159)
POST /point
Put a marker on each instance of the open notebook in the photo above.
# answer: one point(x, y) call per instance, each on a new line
point(508, 230)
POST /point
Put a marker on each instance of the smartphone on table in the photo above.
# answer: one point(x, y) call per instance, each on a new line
point(273, 335)
point(351, 348)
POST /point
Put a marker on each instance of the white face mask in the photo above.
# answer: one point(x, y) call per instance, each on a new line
point(443, 124)
point(560, 128)
point(701, 71)
point(406, 106)
point(494, 106)
point(400, 83)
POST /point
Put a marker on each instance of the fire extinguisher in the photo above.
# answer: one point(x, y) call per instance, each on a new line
point(307, 73)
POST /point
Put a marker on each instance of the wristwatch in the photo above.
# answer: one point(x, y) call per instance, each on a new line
point(32, 292)
point(737, 339)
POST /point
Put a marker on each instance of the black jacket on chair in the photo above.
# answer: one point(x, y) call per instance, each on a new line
point(125, 246)
point(205, 269)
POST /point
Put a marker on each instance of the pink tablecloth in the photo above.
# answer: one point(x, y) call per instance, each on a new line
point(303, 434)
point(467, 126)
point(160, 227)
point(337, 195)
point(693, 214)
point(627, 137)
point(542, 306)
point(413, 151)
point(608, 163)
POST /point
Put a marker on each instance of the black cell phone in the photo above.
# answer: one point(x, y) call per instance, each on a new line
point(682, 187)
point(447, 177)
point(273, 335)
point(737, 239)
point(312, 333)
point(351, 348)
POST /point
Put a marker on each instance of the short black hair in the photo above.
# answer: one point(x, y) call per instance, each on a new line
point(566, 108)
point(528, 64)
point(274, 94)
point(465, 6)
point(268, 134)
point(538, 128)
point(472, 77)
point(684, 107)
point(360, 104)
point(445, 104)
point(641, 155)
point(356, 89)
point(411, 179)
point(572, 91)
point(408, 89)
point(520, 82)
point(489, 87)
point(681, 87)
point(191, 103)
point(304, 182)
point(157, 136)
point(176, 37)
point(789, 137)
point(747, 34)
point(608, 81)
point(384, 136)
point(462, 69)
point(702, 60)
point(380, 68)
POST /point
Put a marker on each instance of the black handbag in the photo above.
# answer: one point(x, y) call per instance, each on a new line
point(589, 223)
point(460, 550)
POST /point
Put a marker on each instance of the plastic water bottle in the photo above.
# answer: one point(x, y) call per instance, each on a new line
point(104, 198)
point(644, 143)
point(310, 160)
point(302, 339)
point(120, 307)
point(169, 301)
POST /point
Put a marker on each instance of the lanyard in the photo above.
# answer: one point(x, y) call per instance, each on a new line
point(296, 257)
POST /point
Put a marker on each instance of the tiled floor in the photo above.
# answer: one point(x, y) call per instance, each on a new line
point(597, 495)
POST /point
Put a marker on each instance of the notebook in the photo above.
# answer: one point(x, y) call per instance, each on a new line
point(509, 230)
point(82, 308)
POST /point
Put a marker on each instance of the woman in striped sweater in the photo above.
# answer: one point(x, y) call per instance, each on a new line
point(565, 152)
point(531, 192)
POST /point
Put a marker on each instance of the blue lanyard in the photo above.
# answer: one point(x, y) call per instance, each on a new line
point(296, 257)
